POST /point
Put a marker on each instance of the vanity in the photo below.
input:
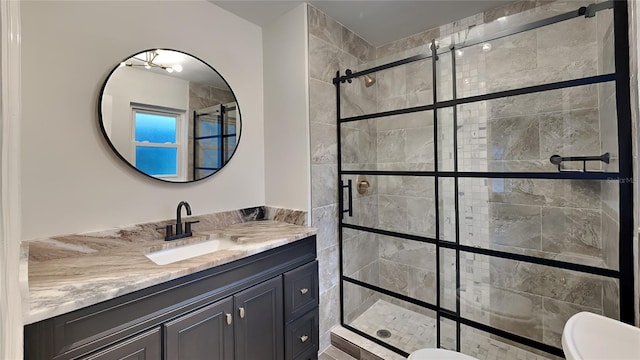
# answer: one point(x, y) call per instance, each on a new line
point(257, 300)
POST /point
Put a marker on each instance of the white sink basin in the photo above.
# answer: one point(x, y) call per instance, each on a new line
point(168, 256)
point(587, 336)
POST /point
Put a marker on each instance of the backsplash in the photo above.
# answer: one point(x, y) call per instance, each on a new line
point(62, 246)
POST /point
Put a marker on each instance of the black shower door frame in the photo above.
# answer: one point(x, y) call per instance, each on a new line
point(624, 176)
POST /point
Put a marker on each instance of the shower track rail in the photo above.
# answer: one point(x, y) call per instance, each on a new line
point(624, 176)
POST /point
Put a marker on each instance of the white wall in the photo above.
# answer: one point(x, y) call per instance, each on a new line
point(71, 180)
point(286, 111)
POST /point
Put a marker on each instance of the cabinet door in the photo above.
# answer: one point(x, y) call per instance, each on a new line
point(259, 325)
point(146, 346)
point(203, 334)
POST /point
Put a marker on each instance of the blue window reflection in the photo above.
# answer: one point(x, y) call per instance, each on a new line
point(157, 161)
point(155, 128)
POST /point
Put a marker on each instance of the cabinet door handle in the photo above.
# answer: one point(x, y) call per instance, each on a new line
point(304, 291)
point(304, 338)
point(229, 319)
point(241, 311)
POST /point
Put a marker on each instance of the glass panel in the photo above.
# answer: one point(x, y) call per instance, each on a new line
point(401, 324)
point(526, 299)
point(473, 208)
point(208, 143)
point(447, 206)
point(155, 128)
point(361, 256)
point(230, 126)
point(482, 345)
point(400, 87)
point(445, 140)
point(208, 126)
point(157, 161)
point(231, 145)
point(472, 137)
point(396, 203)
point(448, 338)
point(209, 158)
point(232, 118)
point(608, 121)
point(359, 145)
point(403, 266)
point(358, 99)
point(570, 220)
point(445, 76)
point(521, 133)
point(561, 51)
point(208, 153)
point(393, 143)
point(448, 279)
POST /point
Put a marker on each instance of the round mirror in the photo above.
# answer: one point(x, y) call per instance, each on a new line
point(169, 115)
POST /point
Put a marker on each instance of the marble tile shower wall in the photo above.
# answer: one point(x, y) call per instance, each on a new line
point(332, 48)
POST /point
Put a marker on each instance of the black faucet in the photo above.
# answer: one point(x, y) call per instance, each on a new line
point(179, 214)
point(180, 232)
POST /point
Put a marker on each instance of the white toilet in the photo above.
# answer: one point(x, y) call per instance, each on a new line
point(438, 354)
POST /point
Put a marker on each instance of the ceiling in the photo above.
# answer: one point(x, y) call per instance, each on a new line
point(378, 21)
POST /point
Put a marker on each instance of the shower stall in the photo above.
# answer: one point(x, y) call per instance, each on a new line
point(485, 185)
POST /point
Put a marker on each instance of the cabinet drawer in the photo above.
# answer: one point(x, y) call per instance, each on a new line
point(146, 346)
point(301, 290)
point(302, 336)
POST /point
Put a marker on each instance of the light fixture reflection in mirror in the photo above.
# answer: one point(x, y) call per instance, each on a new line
point(148, 60)
point(169, 115)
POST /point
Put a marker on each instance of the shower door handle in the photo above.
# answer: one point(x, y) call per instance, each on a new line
point(349, 188)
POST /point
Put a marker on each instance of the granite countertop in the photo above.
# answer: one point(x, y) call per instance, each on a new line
point(87, 271)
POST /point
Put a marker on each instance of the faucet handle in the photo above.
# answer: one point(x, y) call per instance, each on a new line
point(168, 229)
point(187, 226)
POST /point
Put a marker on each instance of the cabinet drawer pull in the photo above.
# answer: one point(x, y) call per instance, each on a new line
point(241, 311)
point(229, 319)
point(304, 338)
point(304, 291)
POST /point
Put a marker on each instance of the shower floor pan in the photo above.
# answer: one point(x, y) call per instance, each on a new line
point(411, 331)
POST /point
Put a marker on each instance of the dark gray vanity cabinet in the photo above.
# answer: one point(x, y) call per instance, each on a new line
point(262, 307)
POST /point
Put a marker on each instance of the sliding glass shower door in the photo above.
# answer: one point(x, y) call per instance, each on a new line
point(485, 186)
